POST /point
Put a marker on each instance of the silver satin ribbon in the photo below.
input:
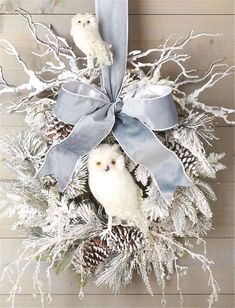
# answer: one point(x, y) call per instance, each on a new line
point(131, 119)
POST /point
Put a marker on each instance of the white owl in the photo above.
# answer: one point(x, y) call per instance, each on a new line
point(85, 32)
point(113, 186)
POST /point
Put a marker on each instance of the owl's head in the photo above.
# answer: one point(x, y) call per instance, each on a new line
point(106, 158)
point(83, 20)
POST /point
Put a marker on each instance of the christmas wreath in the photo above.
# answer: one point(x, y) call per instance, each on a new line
point(108, 180)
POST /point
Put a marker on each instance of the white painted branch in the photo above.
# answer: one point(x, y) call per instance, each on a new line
point(176, 46)
point(166, 55)
point(214, 78)
point(185, 77)
point(55, 45)
point(33, 83)
point(3, 82)
point(219, 112)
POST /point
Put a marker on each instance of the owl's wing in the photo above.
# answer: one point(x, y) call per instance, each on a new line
point(95, 193)
point(72, 31)
point(103, 53)
point(140, 195)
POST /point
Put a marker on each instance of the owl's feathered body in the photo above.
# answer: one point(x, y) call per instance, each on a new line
point(86, 36)
point(116, 192)
point(113, 186)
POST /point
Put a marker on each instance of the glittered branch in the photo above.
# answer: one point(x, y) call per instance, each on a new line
point(54, 44)
point(217, 111)
point(65, 67)
point(169, 53)
point(206, 265)
point(60, 224)
point(34, 84)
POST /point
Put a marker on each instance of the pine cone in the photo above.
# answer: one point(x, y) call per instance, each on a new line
point(48, 181)
point(126, 238)
point(188, 159)
point(95, 252)
point(57, 130)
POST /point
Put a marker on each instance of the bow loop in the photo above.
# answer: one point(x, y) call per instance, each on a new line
point(153, 105)
point(77, 99)
point(132, 119)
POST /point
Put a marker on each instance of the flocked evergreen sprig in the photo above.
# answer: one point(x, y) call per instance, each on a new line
point(64, 229)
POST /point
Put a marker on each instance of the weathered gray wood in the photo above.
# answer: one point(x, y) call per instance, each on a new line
point(223, 215)
point(118, 301)
point(220, 95)
point(145, 32)
point(6, 230)
point(195, 282)
point(135, 6)
point(223, 211)
point(224, 144)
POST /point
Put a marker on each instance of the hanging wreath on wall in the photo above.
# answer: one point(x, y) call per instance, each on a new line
point(108, 179)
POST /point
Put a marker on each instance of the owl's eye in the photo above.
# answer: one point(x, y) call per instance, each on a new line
point(98, 163)
point(79, 21)
point(113, 162)
point(88, 21)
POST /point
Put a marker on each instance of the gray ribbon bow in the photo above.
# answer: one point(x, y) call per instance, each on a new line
point(132, 118)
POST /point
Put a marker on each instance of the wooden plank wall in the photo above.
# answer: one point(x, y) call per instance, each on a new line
point(151, 22)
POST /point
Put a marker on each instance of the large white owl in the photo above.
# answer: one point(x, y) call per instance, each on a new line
point(85, 32)
point(113, 186)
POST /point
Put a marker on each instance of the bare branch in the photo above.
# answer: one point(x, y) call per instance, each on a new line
point(214, 78)
point(56, 45)
point(3, 82)
point(166, 51)
point(185, 77)
point(66, 69)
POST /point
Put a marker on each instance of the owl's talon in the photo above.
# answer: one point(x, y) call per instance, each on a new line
point(88, 71)
point(106, 233)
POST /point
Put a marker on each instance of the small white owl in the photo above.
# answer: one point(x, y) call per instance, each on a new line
point(85, 32)
point(113, 186)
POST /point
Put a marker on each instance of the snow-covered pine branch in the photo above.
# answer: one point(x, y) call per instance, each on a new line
point(60, 223)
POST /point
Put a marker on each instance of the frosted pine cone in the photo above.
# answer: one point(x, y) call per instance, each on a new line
point(95, 252)
point(48, 182)
point(126, 238)
point(188, 159)
point(57, 130)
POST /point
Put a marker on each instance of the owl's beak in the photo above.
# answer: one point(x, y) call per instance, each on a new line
point(83, 25)
point(107, 168)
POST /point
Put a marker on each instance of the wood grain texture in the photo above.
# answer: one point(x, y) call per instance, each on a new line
point(175, 7)
point(195, 282)
point(223, 215)
point(151, 22)
point(145, 32)
point(118, 301)
point(223, 208)
point(218, 146)
point(220, 95)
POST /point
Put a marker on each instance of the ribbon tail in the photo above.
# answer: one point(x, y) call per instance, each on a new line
point(144, 148)
point(89, 131)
